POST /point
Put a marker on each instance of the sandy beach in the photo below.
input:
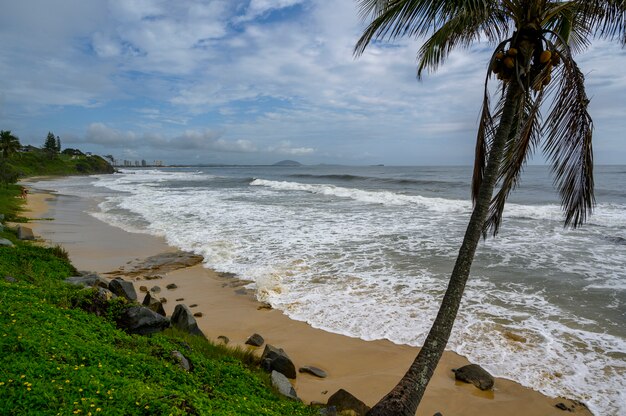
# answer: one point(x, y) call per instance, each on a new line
point(367, 369)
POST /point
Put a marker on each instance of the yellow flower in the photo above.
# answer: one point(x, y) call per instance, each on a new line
point(80, 389)
point(1, 383)
point(22, 376)
point(98, 409)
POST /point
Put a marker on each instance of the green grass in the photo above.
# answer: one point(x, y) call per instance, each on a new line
point(40, 163)
point(59, 359)
point(10, 203)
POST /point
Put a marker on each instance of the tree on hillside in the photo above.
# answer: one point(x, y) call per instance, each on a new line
point(533, 62)
point(8, 143)
point(50, 145)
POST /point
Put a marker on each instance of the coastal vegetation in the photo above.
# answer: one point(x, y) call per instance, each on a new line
point(533, 63)
point(18, 161)
point(59, 359)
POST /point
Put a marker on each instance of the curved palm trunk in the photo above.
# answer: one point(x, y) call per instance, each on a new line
point(406, 396)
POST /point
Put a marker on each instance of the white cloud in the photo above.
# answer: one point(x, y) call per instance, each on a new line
point(258, 8)
point(286, 148)
point(188, 141)
point(248, 77)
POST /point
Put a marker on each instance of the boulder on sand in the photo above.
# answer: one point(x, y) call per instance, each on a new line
point(475, 374)
point(25, 233)
point(344, 401)
point(123, 288)
point(255, 340)
point(153, 304)
point(141, 320)
point(183, 319)
point(277, 359)
point(284, 387)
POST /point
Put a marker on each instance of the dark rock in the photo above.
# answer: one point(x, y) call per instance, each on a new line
point(155, 289)
point(193, 305)
point(153, 304)
point(171, 286)
point(264, 306)
point(88, 280)
point(25, 233)
point(105, 294)
point(5, 243)
point(284, 387)
point(143, 288)
point(183, 319)
point(328, 411)
point(342, 400)
point(475, 374)
point(438, 414)
point(276, 359)
point(141, 320)
point(163, 300)
point(198, 314)
point(153, 277)
point(224, 339)
point(255, 340)
point(10, 279)
point(152, 266)
point(563, 406)
point(183, 362)
point(317, 372)
point(180, 299)
point(123, 288)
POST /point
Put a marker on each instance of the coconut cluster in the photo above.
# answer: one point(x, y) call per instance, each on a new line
point(504, 63)
point(543, 64)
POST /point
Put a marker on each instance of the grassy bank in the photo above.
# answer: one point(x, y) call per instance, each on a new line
point(37, 163)
point(10, 203)
point(59, 359)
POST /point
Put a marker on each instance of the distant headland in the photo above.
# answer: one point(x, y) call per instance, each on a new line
point(287, 163)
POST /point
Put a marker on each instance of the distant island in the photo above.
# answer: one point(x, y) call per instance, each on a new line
point(287, 163)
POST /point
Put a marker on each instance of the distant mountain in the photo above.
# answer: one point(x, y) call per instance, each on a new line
point(287, 163)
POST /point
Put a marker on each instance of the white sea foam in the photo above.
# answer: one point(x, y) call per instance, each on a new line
point(312, 249)
point(370, 197)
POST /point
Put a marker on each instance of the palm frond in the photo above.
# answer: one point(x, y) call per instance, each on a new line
point(461, 30)
point(606, 17)
point(395, 18)
point(415, 18)
point(486, 131)
point(568, 144)
point(523, 139)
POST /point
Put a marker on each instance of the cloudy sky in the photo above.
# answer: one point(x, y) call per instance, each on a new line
point(251, 81)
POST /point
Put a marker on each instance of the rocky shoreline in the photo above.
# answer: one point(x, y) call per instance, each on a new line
point(368, 369)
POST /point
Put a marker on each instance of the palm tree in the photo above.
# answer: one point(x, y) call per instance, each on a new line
point(8, 143)
point(534, 42)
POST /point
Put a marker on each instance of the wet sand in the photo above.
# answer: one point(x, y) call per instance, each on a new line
point(367, 369)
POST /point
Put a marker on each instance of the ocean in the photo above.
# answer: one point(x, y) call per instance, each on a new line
point(367, 252)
